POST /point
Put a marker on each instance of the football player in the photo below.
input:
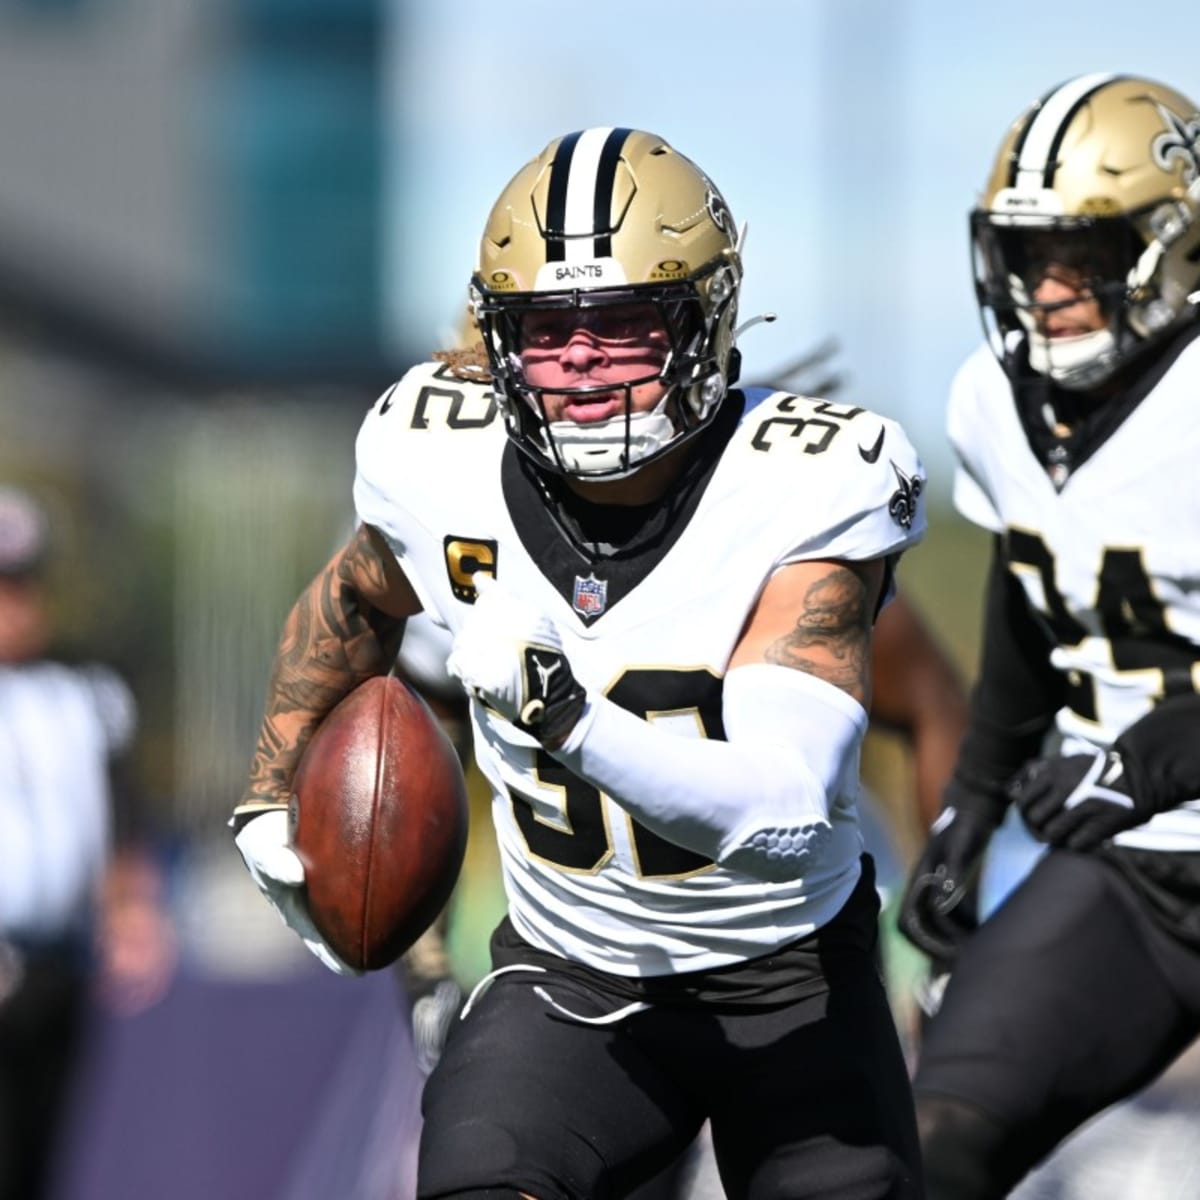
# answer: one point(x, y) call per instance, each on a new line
point(663, 615)
point(917, 694)
point(1072, 432)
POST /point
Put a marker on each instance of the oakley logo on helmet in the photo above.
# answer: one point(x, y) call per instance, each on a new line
point(1181, 143)
point(670, 268)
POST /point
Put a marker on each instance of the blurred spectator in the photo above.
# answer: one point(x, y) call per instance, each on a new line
point(62, 729)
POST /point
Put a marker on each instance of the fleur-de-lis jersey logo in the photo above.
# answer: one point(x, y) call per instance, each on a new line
point(1180, 143)
point(903, 504)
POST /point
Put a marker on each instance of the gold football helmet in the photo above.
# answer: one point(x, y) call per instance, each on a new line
point(1100, 177)
point(611, 217)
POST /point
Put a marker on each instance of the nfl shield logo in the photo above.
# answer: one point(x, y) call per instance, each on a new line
point(591, 595)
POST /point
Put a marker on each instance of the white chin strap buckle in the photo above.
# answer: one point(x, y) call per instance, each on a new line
point(600, 448)
point(1074, 361)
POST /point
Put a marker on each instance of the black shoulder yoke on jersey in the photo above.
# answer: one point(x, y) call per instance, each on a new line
point(1091, 417)
point(569, 537)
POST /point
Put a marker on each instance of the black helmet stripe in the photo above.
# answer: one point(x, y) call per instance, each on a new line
point(1019, 144)
point(580, 198)
point(1056, 145)
point(1037, 160)
point(556, 204)
point(606, 174)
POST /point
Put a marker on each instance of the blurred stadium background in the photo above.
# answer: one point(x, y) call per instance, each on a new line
point(226, 226)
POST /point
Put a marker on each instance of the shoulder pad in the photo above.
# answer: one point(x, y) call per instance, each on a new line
point(425, 445)
point(979, 386)
point(794, 424)
point(430, 399)
point(825, 436)
point(980, 416)
point(844, 481)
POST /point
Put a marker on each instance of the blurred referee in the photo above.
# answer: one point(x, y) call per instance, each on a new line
point(60, 728)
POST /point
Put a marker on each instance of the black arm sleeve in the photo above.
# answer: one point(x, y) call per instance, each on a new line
point(1162, 752)
point(1015, 698)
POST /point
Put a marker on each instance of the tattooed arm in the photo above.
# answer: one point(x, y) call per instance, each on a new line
point(816, 617)
point(345, 627)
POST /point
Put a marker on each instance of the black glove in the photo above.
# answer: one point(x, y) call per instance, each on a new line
point(510, 656)
point(939, 909)
point(436, 1004)
point(1079, 801)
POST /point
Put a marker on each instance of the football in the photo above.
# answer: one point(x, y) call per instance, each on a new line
point(379, 820)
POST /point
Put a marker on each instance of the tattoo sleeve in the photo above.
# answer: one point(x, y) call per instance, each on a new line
point(832, 634)
point(333, 639)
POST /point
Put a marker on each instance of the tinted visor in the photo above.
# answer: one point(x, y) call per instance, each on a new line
point(1012, 257)
point(628, 324)
point(670, 316)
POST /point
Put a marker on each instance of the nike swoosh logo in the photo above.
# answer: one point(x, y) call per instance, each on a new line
point(873, 454)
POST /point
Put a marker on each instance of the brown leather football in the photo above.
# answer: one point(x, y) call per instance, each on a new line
point(379, 820)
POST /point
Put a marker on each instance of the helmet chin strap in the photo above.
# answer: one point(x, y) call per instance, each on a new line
point(1075, 363)
point(620, 445)
point(598, 448)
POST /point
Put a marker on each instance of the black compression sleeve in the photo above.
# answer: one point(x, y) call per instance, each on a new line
point(1162, 752)
point(1017, 693)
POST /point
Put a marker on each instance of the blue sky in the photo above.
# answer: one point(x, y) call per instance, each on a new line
point(850, 135)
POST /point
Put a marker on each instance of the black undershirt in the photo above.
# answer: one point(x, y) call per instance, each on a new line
point(1065, 428)
point(573, 539)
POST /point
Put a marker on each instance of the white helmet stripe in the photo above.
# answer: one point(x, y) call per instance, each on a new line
point(579, 220)
point(1039, 145)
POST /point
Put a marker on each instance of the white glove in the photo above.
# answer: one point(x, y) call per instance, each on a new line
point(434, 1011)
point(510, 656)
point(279, 874)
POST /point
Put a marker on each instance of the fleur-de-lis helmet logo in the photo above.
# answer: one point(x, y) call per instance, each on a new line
point(1180, 143)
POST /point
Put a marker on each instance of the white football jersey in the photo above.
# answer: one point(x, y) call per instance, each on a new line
point(799, 479)
point(1111, 561)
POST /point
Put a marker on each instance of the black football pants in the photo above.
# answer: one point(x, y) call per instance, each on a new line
point(807, 1100)
point(1069, 997)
